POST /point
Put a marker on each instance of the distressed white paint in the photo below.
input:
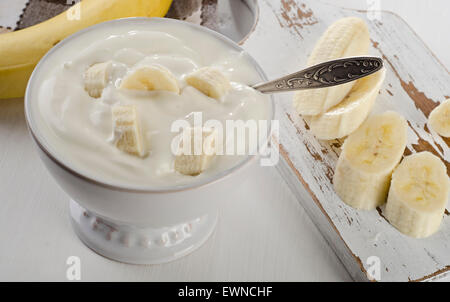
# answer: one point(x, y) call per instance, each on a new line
point(355, 235)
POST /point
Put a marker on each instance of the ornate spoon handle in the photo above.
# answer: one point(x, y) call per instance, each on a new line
point(325, 74)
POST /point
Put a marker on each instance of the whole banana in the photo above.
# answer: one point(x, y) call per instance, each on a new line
point(21, 50)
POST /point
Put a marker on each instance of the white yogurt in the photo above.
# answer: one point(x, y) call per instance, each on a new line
point(79, 130)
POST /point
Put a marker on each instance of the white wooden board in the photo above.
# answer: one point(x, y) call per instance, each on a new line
point(416, 82)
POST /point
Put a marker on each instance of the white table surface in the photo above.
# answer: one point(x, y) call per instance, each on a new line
point(263, 236)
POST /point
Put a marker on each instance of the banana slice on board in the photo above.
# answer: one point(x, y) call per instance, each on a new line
point(348, 115)
point(195, 156)
point(97, 77)
point(210, 81)
point(346, 37)
point(127, 132)
point(439, 119)
point(152, 77)
point(369, 155)
point(418, 195)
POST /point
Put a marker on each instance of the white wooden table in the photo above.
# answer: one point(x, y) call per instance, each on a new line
point(263, 236)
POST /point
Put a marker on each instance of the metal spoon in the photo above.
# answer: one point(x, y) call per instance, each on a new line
point(327, 74)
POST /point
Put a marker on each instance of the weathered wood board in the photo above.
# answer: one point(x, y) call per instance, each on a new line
point(416, 82)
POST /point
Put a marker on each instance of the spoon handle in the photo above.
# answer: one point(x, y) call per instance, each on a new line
point(330, 73)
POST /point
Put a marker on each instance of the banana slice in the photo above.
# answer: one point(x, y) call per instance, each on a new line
point(346, 37)
point(348, 115)
point(127, 133)
point(369, 155)
point(193, 159)
point(439, 119)
point(97, 77)
point(210, 81)
point(418, 195)
point(152, 77)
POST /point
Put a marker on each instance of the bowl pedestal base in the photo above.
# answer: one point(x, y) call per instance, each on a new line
point(139, 245)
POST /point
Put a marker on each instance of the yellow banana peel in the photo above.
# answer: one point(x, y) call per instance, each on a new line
point(21, 50)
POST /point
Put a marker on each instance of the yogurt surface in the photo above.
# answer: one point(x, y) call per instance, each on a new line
point(78, 128)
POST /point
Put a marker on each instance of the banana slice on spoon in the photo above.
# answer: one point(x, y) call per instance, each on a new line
point(344, 118)
point(340, 104)
point(344, 38)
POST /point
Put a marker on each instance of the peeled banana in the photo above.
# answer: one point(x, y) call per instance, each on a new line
point(439, 119)
point(127, 132)
point(418, 195)
point(97, 77)
point(21, 50)
point(344, 118)
point(210, 81)
point(153, 77)
point(346, 37)
point(194, 159)
point(369, 155)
